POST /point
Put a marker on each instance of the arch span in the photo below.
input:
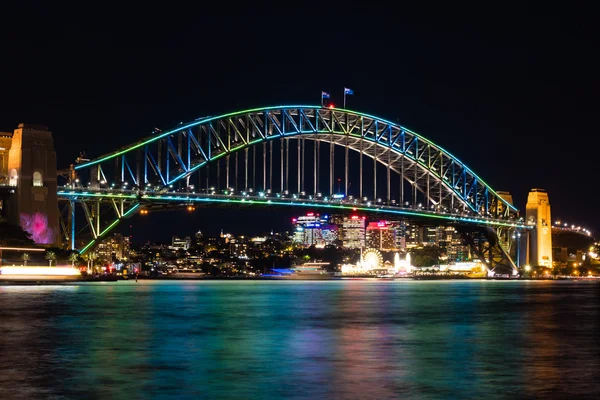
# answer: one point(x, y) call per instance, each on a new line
point(166, 158)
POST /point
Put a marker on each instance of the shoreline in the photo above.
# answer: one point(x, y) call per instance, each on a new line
point(54, 281)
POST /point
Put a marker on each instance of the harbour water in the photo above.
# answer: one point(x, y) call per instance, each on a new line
point(347, 339)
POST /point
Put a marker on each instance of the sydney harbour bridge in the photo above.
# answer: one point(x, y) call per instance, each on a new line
point(293, 156)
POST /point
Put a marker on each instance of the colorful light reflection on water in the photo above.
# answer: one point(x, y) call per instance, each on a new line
point(301, 340)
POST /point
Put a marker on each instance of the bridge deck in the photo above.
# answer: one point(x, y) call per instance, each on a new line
point(293, 200)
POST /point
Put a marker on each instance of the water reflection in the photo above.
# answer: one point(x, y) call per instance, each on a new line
point(304, 340)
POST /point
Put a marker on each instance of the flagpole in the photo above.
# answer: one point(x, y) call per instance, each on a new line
point(344, 98)
point(322, 99)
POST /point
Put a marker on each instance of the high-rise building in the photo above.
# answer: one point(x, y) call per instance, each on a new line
point(199, 239)
point(353, 232)
point(380, 235)
point(330, 234)
point(113, 247)
point(452, 245)
point(305, 231)
point(336, 219)
point(314, 229)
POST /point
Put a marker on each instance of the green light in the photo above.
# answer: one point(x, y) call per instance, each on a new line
point(87, 246)
point(108, 228)
point(305, 204)
point(431, 144)
point(151, 139)
point(132, 209)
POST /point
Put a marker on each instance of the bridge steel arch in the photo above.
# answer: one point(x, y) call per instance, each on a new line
point(163, 160)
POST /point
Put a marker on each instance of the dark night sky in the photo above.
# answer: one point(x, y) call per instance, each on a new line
point(510, 91)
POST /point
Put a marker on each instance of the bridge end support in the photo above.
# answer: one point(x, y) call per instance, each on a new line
point(537, 213)
point(32, 172)
point(485, 244)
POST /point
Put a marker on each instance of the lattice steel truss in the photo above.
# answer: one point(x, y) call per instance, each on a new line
point(414, 167)
point(488, 246)
point(100, 214)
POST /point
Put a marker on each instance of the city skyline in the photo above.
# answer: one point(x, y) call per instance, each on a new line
point(499, 107)
point(299, 200)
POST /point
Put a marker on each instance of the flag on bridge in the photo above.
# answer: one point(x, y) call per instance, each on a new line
point(347, 91)
point(324, 95)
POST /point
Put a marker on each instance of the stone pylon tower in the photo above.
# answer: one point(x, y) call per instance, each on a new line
point(537, 213)
point(32, 171)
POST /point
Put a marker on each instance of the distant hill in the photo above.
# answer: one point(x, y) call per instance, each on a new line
point(571, 240)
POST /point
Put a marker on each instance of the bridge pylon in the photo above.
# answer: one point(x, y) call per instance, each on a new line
point(492, 247)
point(537, 213)
point(32, 174)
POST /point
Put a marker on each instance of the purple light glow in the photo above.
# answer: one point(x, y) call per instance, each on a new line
point(37, 226)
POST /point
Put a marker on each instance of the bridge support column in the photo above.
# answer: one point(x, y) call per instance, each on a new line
point(32, 169)
point(72, 212)
point(485, 244)
point(537, 213)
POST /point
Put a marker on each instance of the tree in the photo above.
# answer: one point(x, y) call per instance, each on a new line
point(14, 235)
point(90, 257)
point(73, 257)
point(25, 258)
point(427, 256)
point(50, 256)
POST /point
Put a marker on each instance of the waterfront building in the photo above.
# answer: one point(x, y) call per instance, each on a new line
point(314, 229)
point(353, 232)
point(381, 236)
point(116, 246)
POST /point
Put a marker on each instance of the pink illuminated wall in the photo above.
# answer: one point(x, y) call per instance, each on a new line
point(37, 226)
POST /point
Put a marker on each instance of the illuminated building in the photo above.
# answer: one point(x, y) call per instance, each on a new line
point(28, 169)
point(224, 238)
point(336, 219)
point(116, 246)
point(329, 233)
point(314, 229)
point(199, 238)
point(238, 246)
point(304, 228)
point(380, 235)
point(451, 245)
point(537, 213)
point(5, 143)
point(178, 243)
point(353, 232)
point(400, 229)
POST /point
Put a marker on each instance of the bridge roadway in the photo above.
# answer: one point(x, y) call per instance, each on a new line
point(161, 197)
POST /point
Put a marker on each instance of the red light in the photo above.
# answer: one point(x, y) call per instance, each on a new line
point(331, 106)
point(310, 214)
point(294, 220)
point(354, 217)
point(364, 217)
